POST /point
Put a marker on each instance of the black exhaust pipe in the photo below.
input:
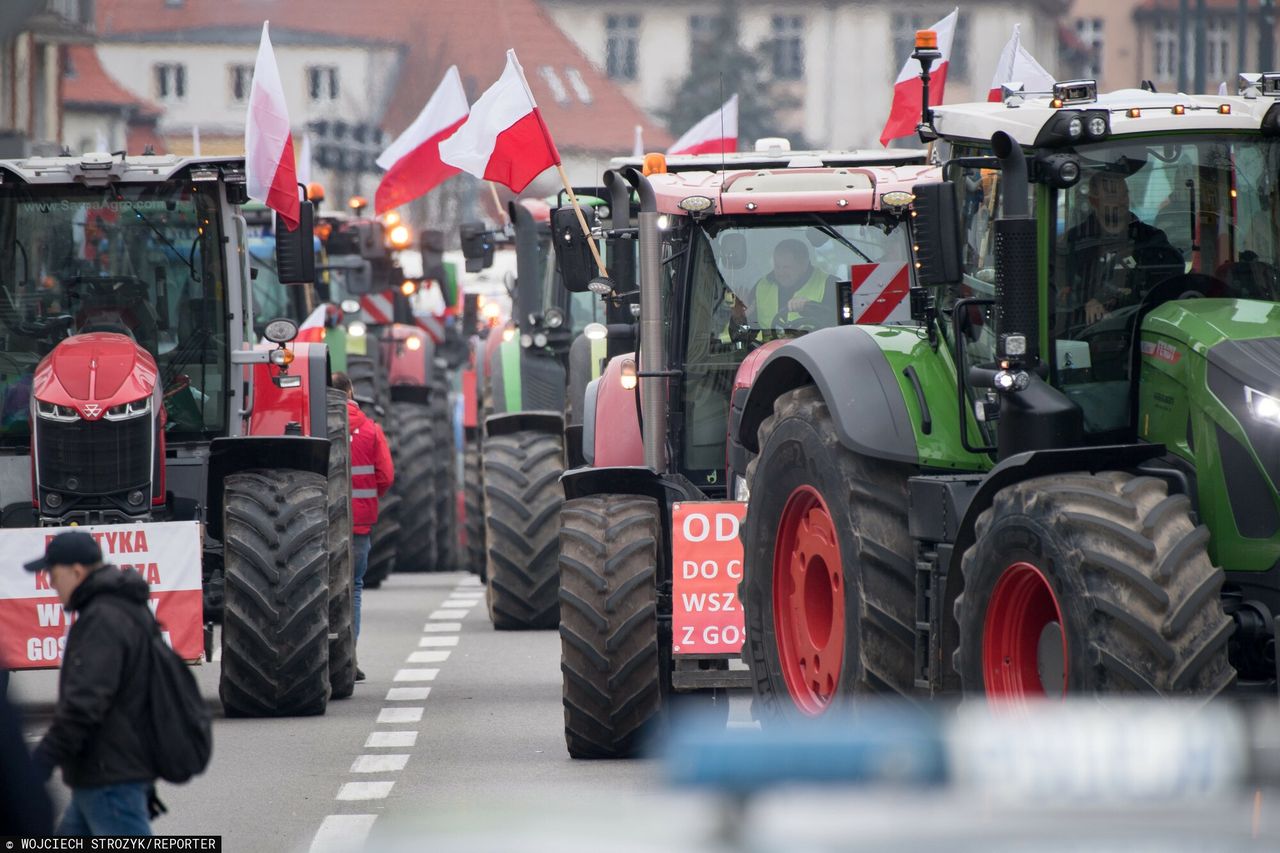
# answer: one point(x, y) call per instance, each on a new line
point(1017, 291)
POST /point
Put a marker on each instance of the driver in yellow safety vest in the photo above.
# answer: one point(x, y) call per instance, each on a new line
point(780, 297)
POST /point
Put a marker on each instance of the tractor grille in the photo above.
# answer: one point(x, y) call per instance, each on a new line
point(94, 457)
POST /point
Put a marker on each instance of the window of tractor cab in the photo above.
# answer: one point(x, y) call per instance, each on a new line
point(757, 278)
point(140, 260)
point(1151, 220)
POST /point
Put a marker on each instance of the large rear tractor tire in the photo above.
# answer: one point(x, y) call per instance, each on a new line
point(609, 657)
point(1088, 584)
point(369, 382)
point(275, 632)
point(342, 637)
point(522, 528)
point(829, 584)
point(414, 487)
point(473, 494)
point(446, 485)
point(382, 547)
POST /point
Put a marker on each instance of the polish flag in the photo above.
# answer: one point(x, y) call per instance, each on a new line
point(504, 139)
point(270, 170)
point(714, 134)
point(904, 115)
point(312, 328)
point(413, 163)
point(1017, 65)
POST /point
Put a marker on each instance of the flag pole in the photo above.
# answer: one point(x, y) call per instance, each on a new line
point(582, 220)
point(502, 211)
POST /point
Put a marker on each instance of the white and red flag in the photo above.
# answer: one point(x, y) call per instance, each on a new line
point(413, 163)
point(270, 170)
point(504, 139)
point(1017, 65)
point(714, 134)
point(904, 115)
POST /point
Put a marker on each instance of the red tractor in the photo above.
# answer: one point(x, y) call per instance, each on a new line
point(732, 263)
point(137, 405)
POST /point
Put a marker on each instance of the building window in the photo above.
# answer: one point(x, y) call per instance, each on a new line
point(1165, 49)
point(558, 91)
point(788, 47)
point(1090, 32)
point(904, 26)
point(1218, 38)
point(579, 85)
point(171, 81)
point(322, 84)
point(622, 33)
point(241, 80)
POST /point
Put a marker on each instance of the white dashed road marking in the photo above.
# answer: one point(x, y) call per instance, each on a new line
point(380, 763)
point(416, 675)
point(400, 715)
point(365, 790)
point(342, 832)
point(428, 657)
point(460, 603)
point(442, 627)
point(438, 641)
point(391, 739)
point(408, 694)
point(448, 614)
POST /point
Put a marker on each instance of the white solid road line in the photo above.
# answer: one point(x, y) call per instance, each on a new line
point(448, 614)
point(340, 833)
point(428, 657)
point(364, 790)
point(438, 641)
point(380, 763)
point(416, 675)
point(400, 715)
point(391, 739)
point(408, 694)
point(442, 627)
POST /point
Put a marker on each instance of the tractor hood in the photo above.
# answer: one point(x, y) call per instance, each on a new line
point(93, 372)
point(1201, 324)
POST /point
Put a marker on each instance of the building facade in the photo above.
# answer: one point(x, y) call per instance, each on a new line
point(34, 36)
point(837, 60)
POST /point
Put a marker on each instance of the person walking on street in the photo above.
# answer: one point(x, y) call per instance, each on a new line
point(371, 476)
point(103, 690)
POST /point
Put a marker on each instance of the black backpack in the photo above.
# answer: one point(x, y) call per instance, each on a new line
point(180, 728)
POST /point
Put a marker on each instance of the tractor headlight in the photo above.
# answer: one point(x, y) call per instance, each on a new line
point(281, 357)
point(124, 411)
point(54, 412)
point(1264, 407)
point(539, 339)
point(553, 318)
point(357, 329)
point(630, 377)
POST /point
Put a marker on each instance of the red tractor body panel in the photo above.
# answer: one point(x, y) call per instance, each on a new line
point(405, 348)
point(617, 424)
point(274, 407)
point(95, 371)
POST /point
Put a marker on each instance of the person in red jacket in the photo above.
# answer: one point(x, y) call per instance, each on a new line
point(371, 476)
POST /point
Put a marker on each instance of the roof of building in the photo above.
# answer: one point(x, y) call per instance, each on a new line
point(86, 83)
point(583, 108)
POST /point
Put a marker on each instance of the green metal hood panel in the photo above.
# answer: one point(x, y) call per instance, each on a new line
point(1201, 323)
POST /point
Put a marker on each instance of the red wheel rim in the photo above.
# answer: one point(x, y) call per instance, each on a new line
point(808, 601)
point(1024, 646)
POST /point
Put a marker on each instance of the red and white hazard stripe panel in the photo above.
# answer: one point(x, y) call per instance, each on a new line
point(432, 325)
point(880, 293)
point(378, 307)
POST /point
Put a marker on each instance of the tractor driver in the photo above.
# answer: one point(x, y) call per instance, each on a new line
point(1103, 252)
point(793, 288)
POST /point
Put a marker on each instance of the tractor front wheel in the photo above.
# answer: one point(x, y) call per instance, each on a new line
point(609, 657)
point(828, 587)
point(1091, 583)
point(275, 629)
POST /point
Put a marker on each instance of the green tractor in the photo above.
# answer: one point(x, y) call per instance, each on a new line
point(1063, 479)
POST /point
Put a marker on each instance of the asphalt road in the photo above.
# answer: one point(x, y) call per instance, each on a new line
point(453, 714)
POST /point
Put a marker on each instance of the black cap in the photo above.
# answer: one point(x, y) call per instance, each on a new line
point(67, 549)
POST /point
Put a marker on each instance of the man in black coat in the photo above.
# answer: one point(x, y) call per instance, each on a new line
point(102, 692)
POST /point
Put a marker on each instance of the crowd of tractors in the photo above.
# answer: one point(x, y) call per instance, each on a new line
point(999, 417)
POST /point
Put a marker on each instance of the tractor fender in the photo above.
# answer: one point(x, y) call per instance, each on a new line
point(1016, 469)
point(419, 394)
point(857, 383)
point(509, 422)
point(589, 421)
point(616, 480)
point(273, 408)
point(408, 363)
point(613, 421)
point(232, 454)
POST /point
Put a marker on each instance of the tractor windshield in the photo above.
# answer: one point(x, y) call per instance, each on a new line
point(756, 278)
point(143, 260)
point(1154, 220)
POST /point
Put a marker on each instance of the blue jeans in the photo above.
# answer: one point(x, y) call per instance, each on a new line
point(107, 810)
point(360, 545)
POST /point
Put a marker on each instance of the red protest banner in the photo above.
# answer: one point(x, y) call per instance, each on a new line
point(706, 552)
point(33, 625)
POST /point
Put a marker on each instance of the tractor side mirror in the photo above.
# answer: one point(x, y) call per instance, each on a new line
point(935, 225)
point(295, 250)
point(431, 246)
point(574, 260)
point(477, 246)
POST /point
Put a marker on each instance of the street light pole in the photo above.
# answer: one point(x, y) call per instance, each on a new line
point(1201, 40)
point(1182, 44)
